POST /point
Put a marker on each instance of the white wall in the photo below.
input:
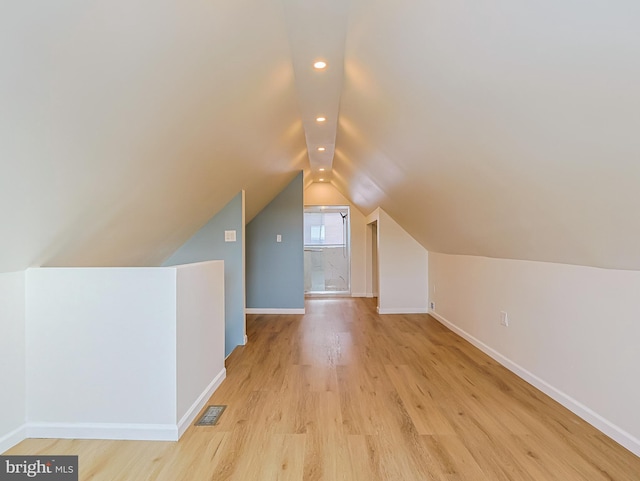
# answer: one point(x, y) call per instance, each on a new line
point(402, 268)
point(322, 193)
point(101, 350)
point(12, 359)
point(200, 336)
point(113, 353)
point(573, 330)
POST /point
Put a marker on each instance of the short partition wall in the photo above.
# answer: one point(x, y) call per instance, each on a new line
point(399, 267)
point(122, 353)
point(200, 337)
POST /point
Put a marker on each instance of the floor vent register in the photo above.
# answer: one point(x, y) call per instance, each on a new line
point(211, 416)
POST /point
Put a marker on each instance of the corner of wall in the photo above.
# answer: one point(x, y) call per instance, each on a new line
point(12, 353)
point(210, 243)
point(547, 304)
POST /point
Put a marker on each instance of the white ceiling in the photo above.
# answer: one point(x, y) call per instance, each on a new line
point(504, 129)
point(317, 32)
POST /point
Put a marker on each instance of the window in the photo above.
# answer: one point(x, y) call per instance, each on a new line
point(317, 234)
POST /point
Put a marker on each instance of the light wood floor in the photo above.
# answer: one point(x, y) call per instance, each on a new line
point(344, 394)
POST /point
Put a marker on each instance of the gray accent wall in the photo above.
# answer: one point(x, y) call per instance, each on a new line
point(275, 270)
point(209, 244)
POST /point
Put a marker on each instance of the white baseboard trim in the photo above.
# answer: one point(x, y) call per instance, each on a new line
point(16, 436)
point(117, 431)
point(129, 432)
point(605, 426)
point(199, 403)
point(404, 310)
point(359, 294)
point(259, 310)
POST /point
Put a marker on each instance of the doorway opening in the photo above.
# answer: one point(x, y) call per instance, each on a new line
point(327, 250)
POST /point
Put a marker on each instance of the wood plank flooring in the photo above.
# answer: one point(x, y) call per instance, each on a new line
point(342, 393)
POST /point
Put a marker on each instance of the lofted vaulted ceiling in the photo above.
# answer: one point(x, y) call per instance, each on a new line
point(504, 129)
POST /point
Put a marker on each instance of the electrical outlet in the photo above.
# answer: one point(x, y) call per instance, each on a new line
point(504, 319)
point(432, 305)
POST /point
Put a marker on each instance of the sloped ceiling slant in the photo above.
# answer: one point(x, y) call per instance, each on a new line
point(497, 129)
point(126, 125)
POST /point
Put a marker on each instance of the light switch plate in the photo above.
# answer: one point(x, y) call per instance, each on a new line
point(229, 236)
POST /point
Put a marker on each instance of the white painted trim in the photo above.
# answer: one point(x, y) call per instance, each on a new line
point(193, 411)
point(403, 310)
point(373, 216)
point(130, 432)
point(607, 427)
point(244, 263)
point(359, 294)
point(259, 310)
point(246, 340)
point(16, 436)
point(324, 295)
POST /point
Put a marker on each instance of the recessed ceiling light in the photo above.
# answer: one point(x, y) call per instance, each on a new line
point(321, 119)
point(322, 170)
point(320, 64)
point(321, 149)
